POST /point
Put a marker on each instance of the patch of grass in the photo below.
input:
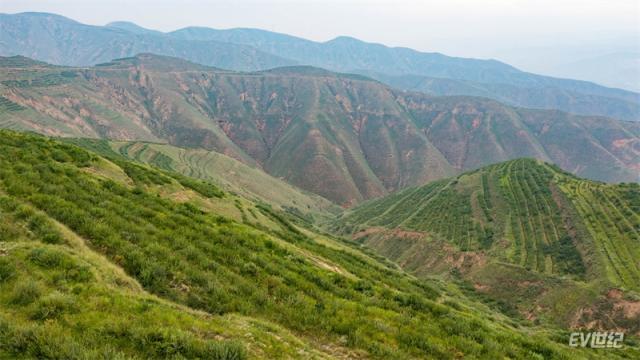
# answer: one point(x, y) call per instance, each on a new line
point(7, 269)
point(26, 293)
point(53, 305)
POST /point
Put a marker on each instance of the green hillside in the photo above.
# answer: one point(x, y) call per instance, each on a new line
point(344, 137)
point(521, 219)
point(80, 232)
point(231, 175)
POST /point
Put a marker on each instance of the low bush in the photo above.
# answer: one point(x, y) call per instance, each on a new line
point(7, 269)
point(26, 293)
point(53, 306)
point(47, 257)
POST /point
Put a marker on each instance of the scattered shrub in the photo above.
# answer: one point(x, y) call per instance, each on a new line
point(7, 269)
point(26, 293)
point(225, 351)
point(52, 306)
point(47, 257)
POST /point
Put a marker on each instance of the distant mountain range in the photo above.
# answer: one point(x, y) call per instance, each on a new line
point(58, 40)
point(345, 137)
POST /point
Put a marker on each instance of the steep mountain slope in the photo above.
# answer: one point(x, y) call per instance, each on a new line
point(473, 132)
point(81, 216)
point(344, 137)
point(59, 40)
point(62, 41)
point(515, 227)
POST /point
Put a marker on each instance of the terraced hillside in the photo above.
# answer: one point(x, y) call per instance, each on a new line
point(231, 175)
point(612, 218)
point(344, 137)
point(524, 218)
point(87, 239)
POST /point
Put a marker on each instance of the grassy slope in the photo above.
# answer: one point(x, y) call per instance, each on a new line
point(228, 173)
point(60, 298)
point(343, 137)
point(63, 300)
point(521, 219)
point(90, 217)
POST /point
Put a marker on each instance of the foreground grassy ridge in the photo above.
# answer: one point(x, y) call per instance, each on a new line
point(60, 301)
point(181, 253)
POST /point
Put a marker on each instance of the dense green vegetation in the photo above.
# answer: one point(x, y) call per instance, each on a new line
point(319, 288)
point(58, 303)
point(527, 203)
point(611, 215)
point(527, 237)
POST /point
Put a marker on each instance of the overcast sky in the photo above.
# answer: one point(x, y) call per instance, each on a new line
point(503, 29)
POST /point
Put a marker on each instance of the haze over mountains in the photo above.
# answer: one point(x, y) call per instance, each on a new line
point(611, 59)
point(345, 137)
point(234, 194)
point(59, 40)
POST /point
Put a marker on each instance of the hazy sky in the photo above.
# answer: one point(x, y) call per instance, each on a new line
point(471, 28)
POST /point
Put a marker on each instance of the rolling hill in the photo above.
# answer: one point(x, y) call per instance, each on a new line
point(59, 40)
point(345, 137)
point(87, 238)
point(523, 233)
